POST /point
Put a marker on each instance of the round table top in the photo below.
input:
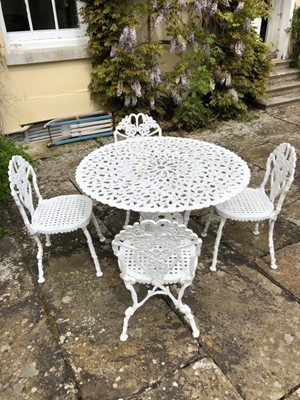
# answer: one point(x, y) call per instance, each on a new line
point(162, 174)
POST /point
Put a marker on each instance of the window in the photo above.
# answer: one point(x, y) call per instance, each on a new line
point(31, 25)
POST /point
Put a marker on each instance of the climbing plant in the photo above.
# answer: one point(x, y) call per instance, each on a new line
point(220, 61)
point(295, 38)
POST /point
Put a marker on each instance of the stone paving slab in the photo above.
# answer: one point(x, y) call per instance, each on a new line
point(250, 327)
point(287, 273)
point(201, 380)
point(31, 362)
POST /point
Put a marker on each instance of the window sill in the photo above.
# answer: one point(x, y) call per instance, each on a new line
point(23, 57)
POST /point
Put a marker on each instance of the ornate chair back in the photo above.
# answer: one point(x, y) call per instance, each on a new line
point(24, 188)
point(134, 125)
point(280, 171)
point(155, 248)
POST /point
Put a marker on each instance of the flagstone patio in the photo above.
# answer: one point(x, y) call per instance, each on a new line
point(60, 340)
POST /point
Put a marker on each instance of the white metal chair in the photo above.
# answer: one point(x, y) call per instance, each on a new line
point(136, 125)
point(58, 214)
point(159, 254)
point(143, 125)
point(263, 203)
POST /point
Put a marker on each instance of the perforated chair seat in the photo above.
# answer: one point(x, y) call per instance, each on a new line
point(252, 204)
point(62, 214)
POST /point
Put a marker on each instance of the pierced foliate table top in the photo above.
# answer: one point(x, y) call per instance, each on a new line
point(162, 174)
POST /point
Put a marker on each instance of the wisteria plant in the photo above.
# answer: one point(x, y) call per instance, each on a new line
point(221, 65)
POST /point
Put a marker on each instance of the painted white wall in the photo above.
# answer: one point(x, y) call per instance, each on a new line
point(42, 91)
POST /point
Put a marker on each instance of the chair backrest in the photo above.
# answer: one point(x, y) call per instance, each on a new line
point(134, 125)
point(23, 186)
point(280, 171)
point(156, 247)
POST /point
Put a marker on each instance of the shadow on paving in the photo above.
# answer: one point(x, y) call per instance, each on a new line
point(60, 340)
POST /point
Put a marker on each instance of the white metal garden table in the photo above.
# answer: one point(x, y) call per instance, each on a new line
point(162, 174)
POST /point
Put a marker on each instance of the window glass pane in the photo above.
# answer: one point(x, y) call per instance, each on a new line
point(15, 16)
point(41, 14)
point(66, 13)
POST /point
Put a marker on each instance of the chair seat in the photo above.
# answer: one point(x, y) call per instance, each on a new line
point(62, 214)
point(177, 272)
point(250, 205)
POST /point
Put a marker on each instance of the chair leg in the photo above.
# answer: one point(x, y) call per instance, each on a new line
point(209, 220)
point(216, 246)
point(39, 257)
point(130, 310)
point(185, 309)
point(256, 229)
point(127, 218)
point(186, 217)
point(97, 227)
point(48, 241)
point(271, 244)
point(93, 252)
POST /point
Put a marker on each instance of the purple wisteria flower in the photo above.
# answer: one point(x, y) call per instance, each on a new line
point(179, 44)
point(158, 21)
point(133, 100)
point(212, 8)
point(120, 88)
point(212, 85)
point(128, 39)
point(247, 25)
point(182, 81)
point(136, 87)
point(191, 38)
point(234, 94)
point(172, 45)
point(239, 7)
point(207, 6)
point(130, 100)
point(182, 3)
point(176, 97)
point(152, 103)
point(154, 76)
point(127, 100)
point(198, 6)
point(220, 77)
point(113, 50)
point(154, 5)
point(227, 79)
point(238, 48)
point(225, 2)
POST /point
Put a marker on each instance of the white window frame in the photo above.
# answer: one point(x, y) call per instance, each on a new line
point(25, 47)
